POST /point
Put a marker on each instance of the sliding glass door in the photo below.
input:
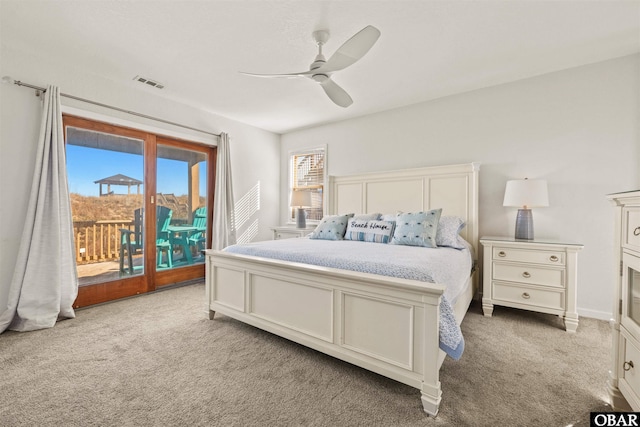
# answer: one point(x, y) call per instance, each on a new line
point(140, 209)
point(183, 181)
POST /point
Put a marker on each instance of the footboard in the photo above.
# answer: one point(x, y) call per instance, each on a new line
point(386, 325)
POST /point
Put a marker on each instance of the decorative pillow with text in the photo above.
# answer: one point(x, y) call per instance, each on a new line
point(379, 231)
point(370, 231)
point(355, 229)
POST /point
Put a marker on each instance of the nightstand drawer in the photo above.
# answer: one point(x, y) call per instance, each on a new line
point(528, 274)
point(287, 235)
point(288, 232)
point(530, 296)
point(527, 255)
point(632, 224)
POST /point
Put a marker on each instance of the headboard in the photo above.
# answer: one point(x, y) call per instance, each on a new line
point(454, 188)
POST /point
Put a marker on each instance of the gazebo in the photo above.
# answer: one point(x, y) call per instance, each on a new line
point(118, 179)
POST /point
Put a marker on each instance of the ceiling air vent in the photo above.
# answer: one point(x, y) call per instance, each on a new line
point(149, 82)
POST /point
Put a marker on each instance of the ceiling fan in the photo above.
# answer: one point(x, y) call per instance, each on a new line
point(321, 69)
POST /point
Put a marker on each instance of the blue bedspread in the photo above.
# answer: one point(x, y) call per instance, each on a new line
point(446, 266)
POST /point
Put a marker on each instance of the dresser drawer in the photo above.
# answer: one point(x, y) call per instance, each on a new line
point(529, 296)
point(632, 226)
point(528, 274)
point(630, 376)
point(528, 255)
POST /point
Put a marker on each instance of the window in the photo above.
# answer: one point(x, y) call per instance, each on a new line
point(307, 173)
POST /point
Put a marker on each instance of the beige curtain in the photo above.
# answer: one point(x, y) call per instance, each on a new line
point(45, 282)
point(224, 227)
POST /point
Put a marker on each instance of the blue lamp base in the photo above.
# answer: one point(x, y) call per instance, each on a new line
point(524, 224)
point(301, 221)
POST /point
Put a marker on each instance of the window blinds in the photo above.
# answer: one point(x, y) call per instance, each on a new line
point(307, 174)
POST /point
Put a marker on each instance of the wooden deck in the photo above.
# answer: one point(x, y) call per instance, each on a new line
point(106, 271)
point(98, 272)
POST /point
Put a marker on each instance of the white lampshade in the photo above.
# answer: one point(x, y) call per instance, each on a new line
point(526, 193)
point(300, 199)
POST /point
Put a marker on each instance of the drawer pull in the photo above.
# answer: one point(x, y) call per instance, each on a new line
point(526, 275)
point(525, 295)
point(553, 258)
point(636, 232)
point(627, 365)
point(503, 253)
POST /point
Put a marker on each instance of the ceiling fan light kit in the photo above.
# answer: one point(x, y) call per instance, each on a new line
point(321, 70)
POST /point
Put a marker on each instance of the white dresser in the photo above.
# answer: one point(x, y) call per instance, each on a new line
point(624, 376)
point(532, 275)
point(290, 232)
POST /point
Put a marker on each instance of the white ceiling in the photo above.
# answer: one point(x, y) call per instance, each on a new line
point(427, 50)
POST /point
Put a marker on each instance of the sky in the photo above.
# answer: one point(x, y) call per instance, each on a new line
point(86, 165)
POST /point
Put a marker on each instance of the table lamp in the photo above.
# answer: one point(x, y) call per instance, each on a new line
point(301, 200)
point(525, 194)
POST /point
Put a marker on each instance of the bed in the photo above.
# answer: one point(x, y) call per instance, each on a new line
point(389, 325)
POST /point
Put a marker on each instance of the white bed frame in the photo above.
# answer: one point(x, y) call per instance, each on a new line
point(383, 324)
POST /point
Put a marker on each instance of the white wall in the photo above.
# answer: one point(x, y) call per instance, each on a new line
point(255, 153)
point(578, 129)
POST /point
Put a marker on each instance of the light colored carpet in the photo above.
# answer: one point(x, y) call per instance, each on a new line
point(156, 360)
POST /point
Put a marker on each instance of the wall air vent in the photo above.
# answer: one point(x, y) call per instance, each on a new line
point(149, 82)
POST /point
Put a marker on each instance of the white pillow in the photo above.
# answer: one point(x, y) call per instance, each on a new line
point(389, 216)
point(448, 233)
point(368, 216)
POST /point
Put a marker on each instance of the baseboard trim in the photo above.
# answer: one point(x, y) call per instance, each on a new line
point(595, 314)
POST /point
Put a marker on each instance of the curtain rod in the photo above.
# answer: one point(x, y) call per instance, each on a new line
point(39, 89)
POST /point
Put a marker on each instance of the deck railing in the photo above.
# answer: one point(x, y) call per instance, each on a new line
point(98, 240)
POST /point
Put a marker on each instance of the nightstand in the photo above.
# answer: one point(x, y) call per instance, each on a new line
point(536, 275)
point(290, 232)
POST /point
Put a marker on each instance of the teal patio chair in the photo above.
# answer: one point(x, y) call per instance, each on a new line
point(199, 238)
point(126, 251)
point(131, 242)
point(163, 237)
point(138, 225)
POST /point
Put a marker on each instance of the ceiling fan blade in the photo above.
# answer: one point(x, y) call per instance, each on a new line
point(338, 95)
point(352, 50)
point(286, 76)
